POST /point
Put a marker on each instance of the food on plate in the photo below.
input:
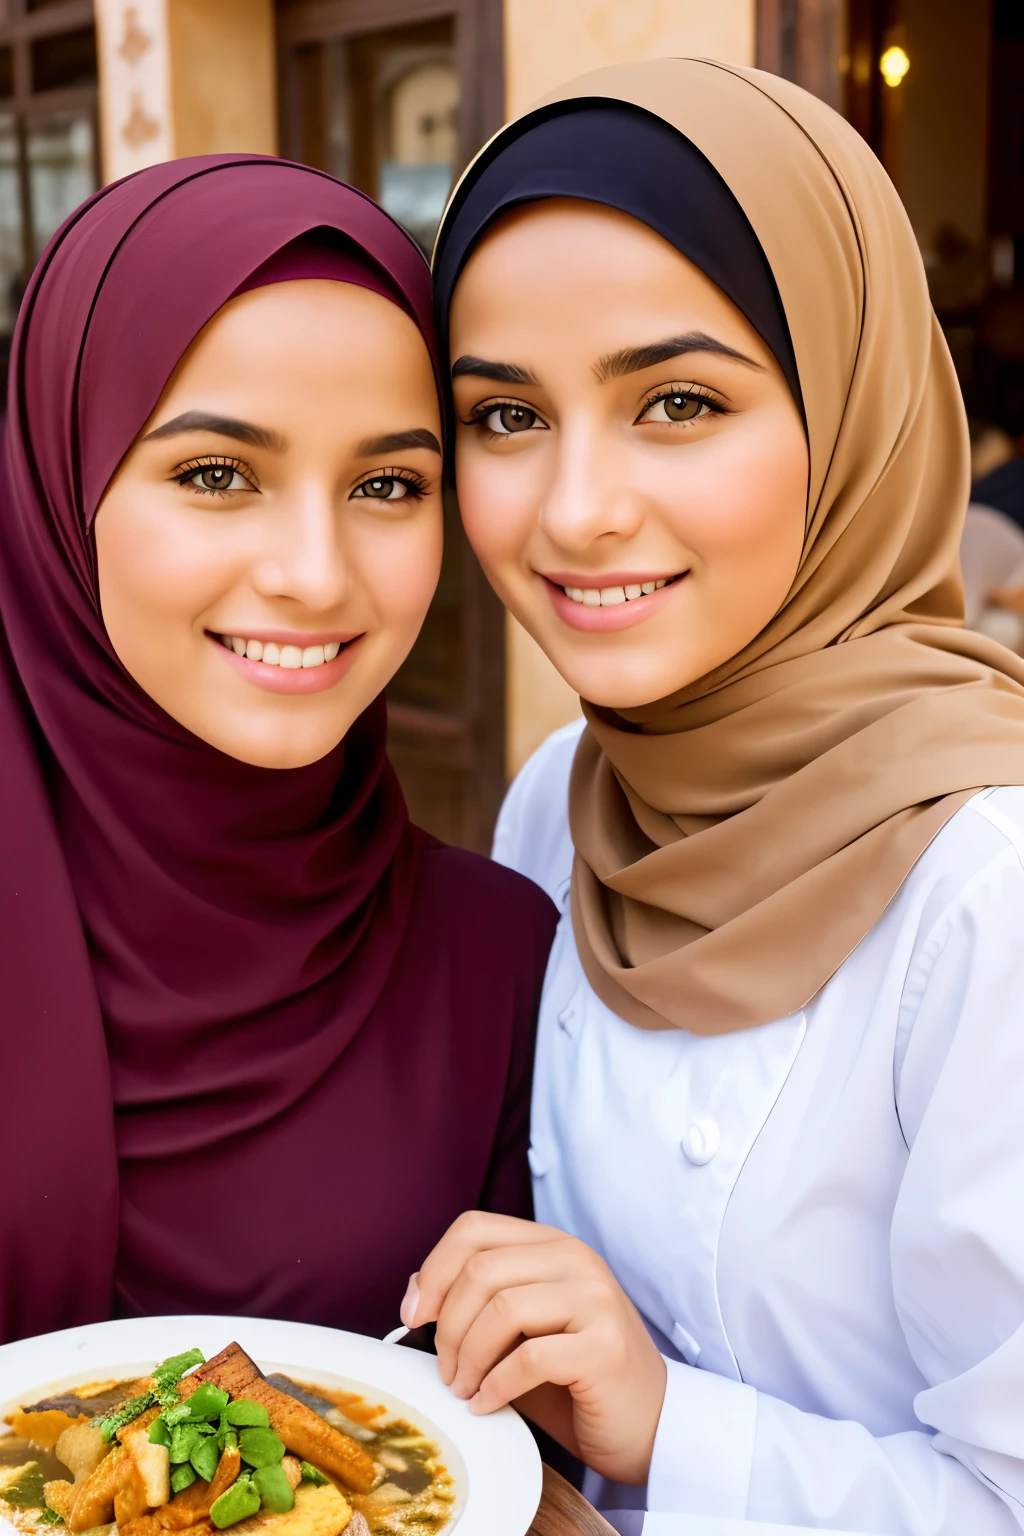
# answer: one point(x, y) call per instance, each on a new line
point(205, 1446)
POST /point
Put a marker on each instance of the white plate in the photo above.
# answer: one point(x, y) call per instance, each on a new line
point(493, 1459)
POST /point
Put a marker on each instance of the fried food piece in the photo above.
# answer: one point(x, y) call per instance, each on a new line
point(81, 1448)
point(304, 1433)
point(60, 1496)
point(94, 1501)
point(318, 1511)
point(44, 1428)
point(130, 1500)
point(189, 1510)
point(152, 1465)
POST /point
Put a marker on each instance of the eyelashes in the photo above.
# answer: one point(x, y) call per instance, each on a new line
point(215, 476)
point(220, 476)
point(680, 404)
point(392, 485)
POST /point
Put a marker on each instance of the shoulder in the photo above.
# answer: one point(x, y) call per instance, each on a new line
point(964, 972)
point(532, 834)
point(980, 848)
point(484, 906)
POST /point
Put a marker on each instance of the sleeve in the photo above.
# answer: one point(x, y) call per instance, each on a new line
point(957, 1254)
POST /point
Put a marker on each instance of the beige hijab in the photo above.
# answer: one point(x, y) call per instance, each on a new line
point(735, 842)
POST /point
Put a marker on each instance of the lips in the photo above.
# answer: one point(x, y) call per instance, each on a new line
point(614, 606)
point(283, 666)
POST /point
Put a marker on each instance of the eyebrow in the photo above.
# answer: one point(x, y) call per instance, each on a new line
point(635, 359)
point(223, 426)
point(482, 368)
point(394, 442)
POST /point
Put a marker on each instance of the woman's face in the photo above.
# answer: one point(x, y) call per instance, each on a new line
point(269, 547)
point(632, 468)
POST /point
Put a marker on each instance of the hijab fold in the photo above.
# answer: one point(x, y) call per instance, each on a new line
point(736, 841)
point(187, 943)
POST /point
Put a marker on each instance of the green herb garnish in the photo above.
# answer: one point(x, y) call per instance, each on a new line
point(207, 1402)
point(182, 1477)
point(169, 1372)
point(132, 1409)
point(204, 1458)
point(247, 1414)
point(275, 1491)
point(49, 1517)
point(241, 1500)
point(311, 1474)
point(260, 1447)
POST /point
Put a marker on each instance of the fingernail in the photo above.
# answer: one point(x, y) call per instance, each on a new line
point(474, 1403)
point(410, 1301)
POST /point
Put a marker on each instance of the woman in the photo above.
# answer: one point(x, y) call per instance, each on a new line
point(713, 456)
point(262, 1038)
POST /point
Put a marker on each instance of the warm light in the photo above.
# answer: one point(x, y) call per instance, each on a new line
point(894, 64)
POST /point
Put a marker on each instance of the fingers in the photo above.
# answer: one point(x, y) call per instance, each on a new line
point(473, 1232)
point(530, 1310)
point(489, 1278)
point(560, 1359)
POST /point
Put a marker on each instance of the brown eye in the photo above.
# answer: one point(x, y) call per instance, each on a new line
point(507, 419)
point(384, 488)
point(216, 477)
point(682, 407)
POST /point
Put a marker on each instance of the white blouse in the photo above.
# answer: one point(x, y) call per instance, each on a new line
point(821, 1219)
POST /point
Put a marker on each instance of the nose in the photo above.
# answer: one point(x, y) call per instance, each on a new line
point(590, 495)
point(306, 562)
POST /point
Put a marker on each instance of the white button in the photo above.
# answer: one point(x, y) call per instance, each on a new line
point(702, 1141)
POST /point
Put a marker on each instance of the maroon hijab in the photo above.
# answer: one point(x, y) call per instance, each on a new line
point(188, 945)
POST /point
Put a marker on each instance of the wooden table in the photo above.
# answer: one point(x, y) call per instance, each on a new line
point(564, 1512)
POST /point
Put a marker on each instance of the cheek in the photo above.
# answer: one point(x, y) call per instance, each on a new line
point(741, 507)
point(499, 497)
point(398, 568)
point(157, 568)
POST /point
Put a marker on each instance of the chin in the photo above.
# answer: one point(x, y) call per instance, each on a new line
point(620, 687)
point(286, 750)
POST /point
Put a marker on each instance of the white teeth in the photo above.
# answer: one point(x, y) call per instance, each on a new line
point(608, 597)
point(273, 655)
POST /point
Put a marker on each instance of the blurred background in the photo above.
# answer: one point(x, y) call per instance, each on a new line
point(396, 95)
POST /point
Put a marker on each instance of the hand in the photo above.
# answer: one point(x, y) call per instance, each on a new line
point(526, 1314)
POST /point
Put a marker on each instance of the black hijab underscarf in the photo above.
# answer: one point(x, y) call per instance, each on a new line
point(625, 158)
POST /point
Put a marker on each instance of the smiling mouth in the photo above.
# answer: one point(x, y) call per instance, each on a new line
point(290, 657)
point(612, 597)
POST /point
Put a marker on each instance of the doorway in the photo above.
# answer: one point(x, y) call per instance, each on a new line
point(395, 96)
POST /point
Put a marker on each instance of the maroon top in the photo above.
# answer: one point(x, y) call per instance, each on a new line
point(262, 1040)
